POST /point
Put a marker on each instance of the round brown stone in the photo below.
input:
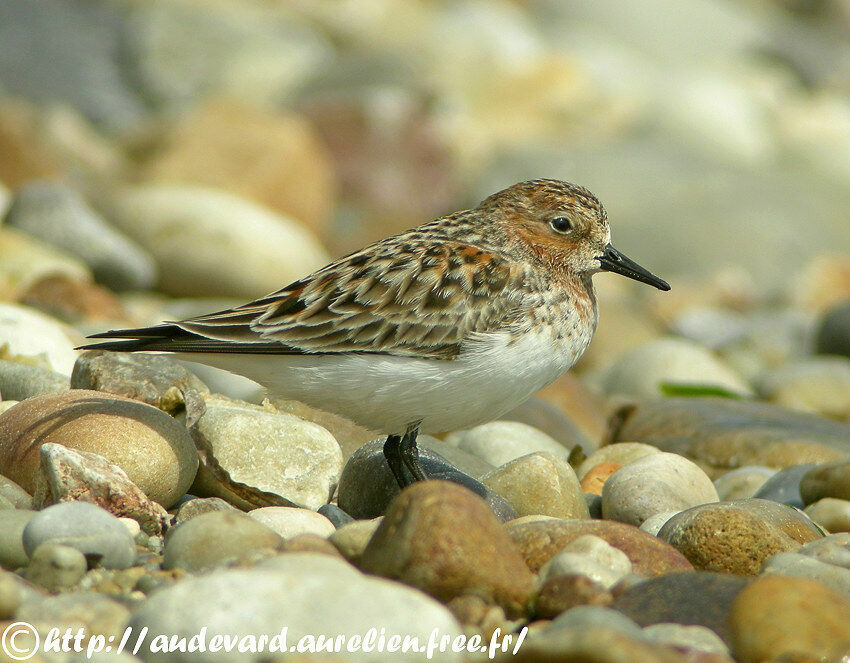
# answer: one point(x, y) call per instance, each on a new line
point(154, 450)
point(541, 540)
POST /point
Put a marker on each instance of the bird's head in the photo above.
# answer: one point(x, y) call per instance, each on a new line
point(563, 224)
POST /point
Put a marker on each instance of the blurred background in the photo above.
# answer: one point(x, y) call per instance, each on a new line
point(161, 150)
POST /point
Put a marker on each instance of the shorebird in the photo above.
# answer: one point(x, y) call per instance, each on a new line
point(441, 327)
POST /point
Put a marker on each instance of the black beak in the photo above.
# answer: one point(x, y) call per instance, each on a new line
point(614, 261)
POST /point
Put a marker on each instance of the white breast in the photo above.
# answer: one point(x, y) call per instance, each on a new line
point(491, 376)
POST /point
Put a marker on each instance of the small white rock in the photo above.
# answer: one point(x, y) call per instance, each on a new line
point(290, 522)
point(592, 557)
point(499, 442)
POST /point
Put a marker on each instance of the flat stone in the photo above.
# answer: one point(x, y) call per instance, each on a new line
point(189, 232)
point(366, 485)
point(55, 567)
point(93, 612)
point(499, 442)
point(654, 484)
point(27, 333)
point(780, 615)
point(157, 380)
point(304, 597)
point(742, 483)
point(539, 483)
point(57, 214)
point(541, 540)
point(835, 577)
point(289, 522)
point(12, 524)
point(723, 434)
point(443, 539)
point(215, 539)
point(826, 480)
point(273, 452)
point(644, 371)
point(737, 537)
point(19, 381)
point(93, 531)
point(815, 384)
point(692, 598)
point(200, 505)
point(784, 486)
point(70, 476)
point(17, 496)
point(831, 514)
point(154, 450)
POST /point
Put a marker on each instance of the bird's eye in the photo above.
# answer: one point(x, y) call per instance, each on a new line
point(561, 224)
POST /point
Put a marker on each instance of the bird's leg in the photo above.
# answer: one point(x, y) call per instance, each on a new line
point(392, 453)
point(410, 453)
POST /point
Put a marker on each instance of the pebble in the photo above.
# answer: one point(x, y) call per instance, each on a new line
point(154, 450)
point(832, 549)
point(539, 483)
point(833, 331)
point(817, 384)
point(93, 612)
point(366, 485)
point(742, 483)
point(654, 484)
point(551, 420)
point(57, 214)
point(645, 371)
point(826, 480)
point(540, 540)
point(289, 522)
point(278, 453)
point(499, 442)
point(201, 505)
point(621, 453)
point(596, 477)
point(697, 638)
point(590, 556)
point(215, 539)
point(737, 537)
point(655, 522)
point(352, 538)
point(722, 434)
point(336, 515)
point(594, 505)
point(19, 381)
point(690, 598)
point(55, 567)
point(784, 486)
point(315, 594)
point(12, 524)
point(798, 565)
point(19, 498)
point(25, 262)
point(157, 380)
point(778, 616)
point(563, 592)
point(225, 144)
point(93, 531)
point(69, 475)
point(443, 539)
point(28, 333)
point(831, 514)
point(588, 617)
point(199, 251)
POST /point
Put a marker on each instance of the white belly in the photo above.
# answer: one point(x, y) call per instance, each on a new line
point(386, 393)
